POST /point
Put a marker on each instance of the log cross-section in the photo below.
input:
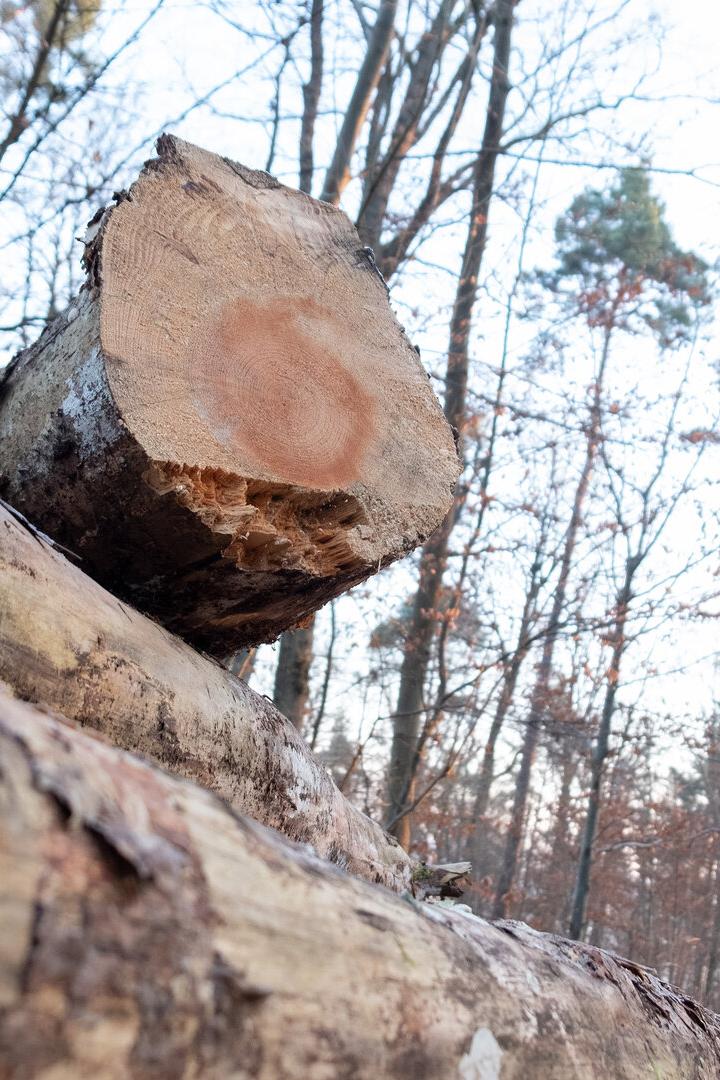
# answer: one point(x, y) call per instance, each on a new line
point(228, 424)
point(148, 933)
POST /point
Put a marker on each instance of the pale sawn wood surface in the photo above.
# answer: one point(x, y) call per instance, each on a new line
point(228, 424)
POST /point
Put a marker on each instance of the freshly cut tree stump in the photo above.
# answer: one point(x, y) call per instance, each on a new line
point(228, 425)
point(67, 643)
point(148, 932)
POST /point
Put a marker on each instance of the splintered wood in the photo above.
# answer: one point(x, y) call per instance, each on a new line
point(228, 425)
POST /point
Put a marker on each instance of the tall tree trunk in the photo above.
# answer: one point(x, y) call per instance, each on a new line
point(381, 178)
point(148, 931)
point(381, 174)
point(538, 700)
point(563, 843)
point(487, 765)
point(600, 753)
point(392, 253)
point(411, 696)
point(311, 96)
point(338, 173)
point(292, 685)
point(507, 693)
point(327, 674)
point(416, 654)
point(714, 950)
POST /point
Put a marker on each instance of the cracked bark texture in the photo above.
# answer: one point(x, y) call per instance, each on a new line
point(228, 424)
point(67, 643)
point(147, 931)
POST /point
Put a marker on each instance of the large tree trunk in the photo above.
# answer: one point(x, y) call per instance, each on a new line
point(67, 643)
point(600, 752)
point(311, 92)
point(380, 178)
point(228, 425)
point(292, 674)
point(147, 931)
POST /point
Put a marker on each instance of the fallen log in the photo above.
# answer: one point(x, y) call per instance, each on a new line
point(228, 425)
point(68, 643)
point(147, 931)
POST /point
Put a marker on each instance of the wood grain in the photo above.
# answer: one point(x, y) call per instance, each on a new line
point(309, 421)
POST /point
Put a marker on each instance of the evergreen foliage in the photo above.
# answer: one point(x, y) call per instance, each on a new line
point(618, 264)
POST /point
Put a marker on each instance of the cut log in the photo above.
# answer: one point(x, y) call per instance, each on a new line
point(67, 643)
point(228, 425)
point(148, 932)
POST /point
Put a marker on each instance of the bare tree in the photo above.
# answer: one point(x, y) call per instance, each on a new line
point(624, 273)
point(338, 172)
point(416, 655)
point(640, 536)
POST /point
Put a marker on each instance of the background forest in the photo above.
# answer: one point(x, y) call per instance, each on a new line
point(536, 689)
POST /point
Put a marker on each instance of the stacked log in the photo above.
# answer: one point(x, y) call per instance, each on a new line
point(226, 429)
point(228, 426)
point(68, 643)
point(147, 931)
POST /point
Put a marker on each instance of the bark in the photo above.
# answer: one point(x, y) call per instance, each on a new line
point(599, 756)
point(292, 685)
point(338, 173)
point(148, 932)
point(416, 655)
point(228, 425)
point(311, 96)
point(66, 642)
point(381, 180)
